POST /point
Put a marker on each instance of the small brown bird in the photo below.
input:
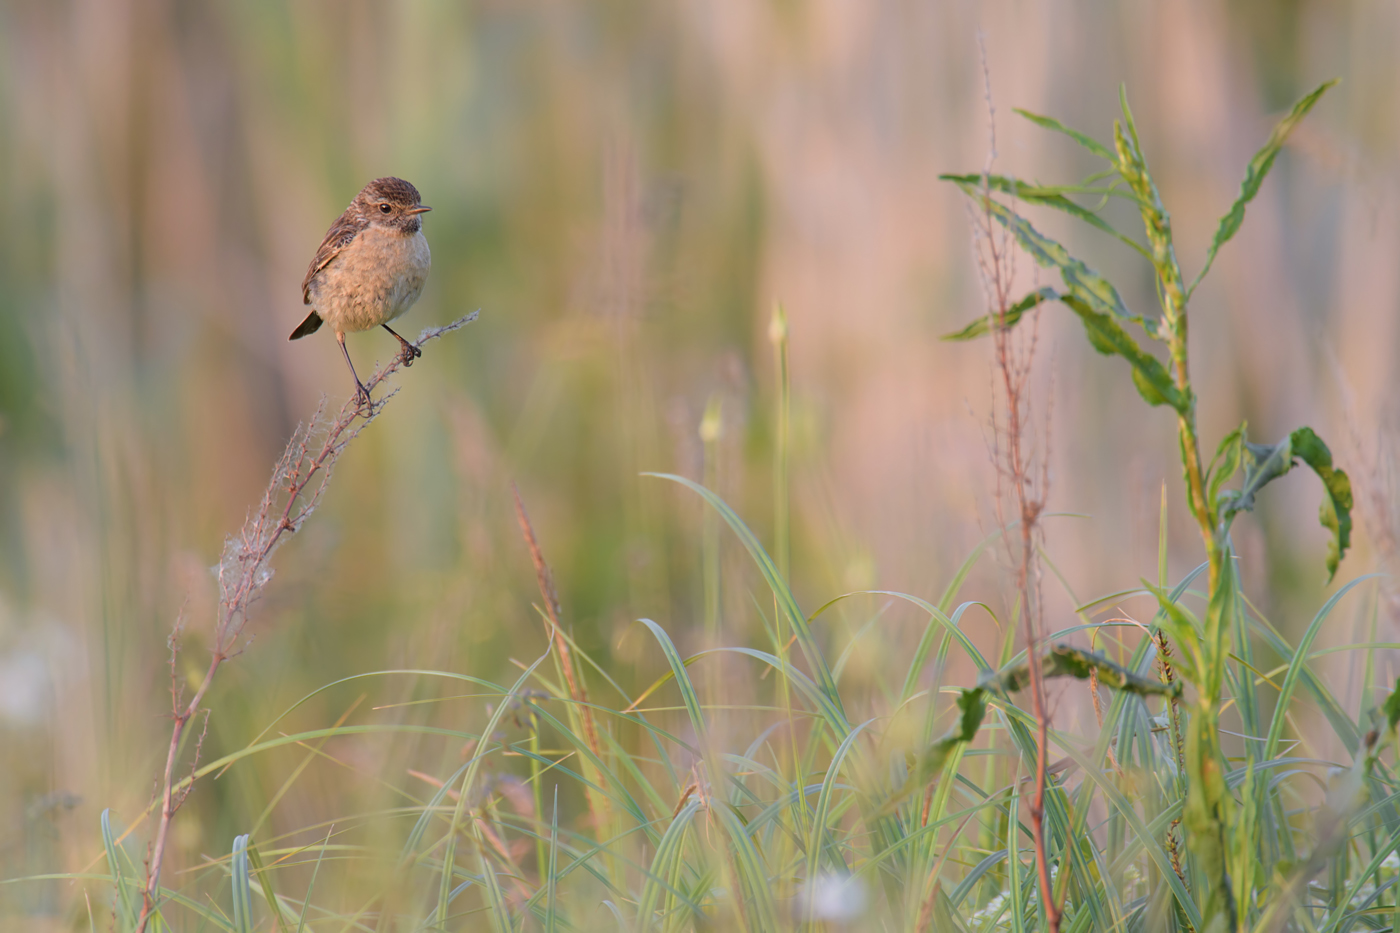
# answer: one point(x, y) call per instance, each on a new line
point(370, 268)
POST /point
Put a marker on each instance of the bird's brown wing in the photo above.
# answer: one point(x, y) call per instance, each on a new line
point(337, 238)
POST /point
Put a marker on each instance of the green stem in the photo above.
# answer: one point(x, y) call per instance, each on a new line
point(711, 429)
point(778, 334)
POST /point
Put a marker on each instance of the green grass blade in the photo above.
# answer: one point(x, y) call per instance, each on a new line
point(658, 874)
point(301, 920)
point(1048, 197)
point(265, 885)
point(1254, 176)
point(821, 673)
point(683, 681)
point(816, 841)
point(1081, 281)
point(1296, 666)
point(445, 887)
point(763, 911)
point(1119, 802)
point(551, 910)
point(988, 322)
point(1050, 123)
point(497, 907)
point(126, 885)
point(242, 893)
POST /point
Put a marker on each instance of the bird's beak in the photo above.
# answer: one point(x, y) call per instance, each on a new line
point(420, 209)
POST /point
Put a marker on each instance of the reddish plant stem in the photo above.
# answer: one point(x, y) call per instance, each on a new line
point(1015, 464)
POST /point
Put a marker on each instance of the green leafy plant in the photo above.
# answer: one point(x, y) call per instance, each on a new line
point(1210, 813)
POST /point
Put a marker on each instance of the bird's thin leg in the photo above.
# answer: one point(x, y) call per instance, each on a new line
point(410, 352)
point(361, 393)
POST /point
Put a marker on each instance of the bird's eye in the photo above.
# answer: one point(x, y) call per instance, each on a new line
point(384, 207)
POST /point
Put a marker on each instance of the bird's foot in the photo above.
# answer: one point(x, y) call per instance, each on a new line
point(364, 405)
point(409, 353)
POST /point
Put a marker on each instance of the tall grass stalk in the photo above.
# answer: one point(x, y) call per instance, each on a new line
point(782, 521)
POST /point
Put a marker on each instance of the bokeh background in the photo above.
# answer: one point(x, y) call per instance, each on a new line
point(625, 190)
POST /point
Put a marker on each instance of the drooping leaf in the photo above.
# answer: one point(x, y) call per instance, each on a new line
point(1264, 463)
point(1050, 197)
point(1068, 661)
point(1079, 279)
point(984, 325)
point(1050, 123)
point(1254, 175)
point(1151, 377)
point(1335, 511)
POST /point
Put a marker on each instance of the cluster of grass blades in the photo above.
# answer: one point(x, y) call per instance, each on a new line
point(897, 807)
point(814, 821)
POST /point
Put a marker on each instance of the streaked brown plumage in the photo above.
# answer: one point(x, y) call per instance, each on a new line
point(370, 267)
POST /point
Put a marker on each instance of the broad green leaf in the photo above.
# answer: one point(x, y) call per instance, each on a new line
point(1050, 123)
point(1335, 511)
point(1067, 661)
point(1081, 281)
point(1254, 175)
point(1150, 376)
point(1050, 197)
point(984, 325)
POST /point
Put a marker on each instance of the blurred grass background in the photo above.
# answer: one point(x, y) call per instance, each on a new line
point(624, 190)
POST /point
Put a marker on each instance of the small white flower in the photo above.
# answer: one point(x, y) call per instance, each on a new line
point(834, 896)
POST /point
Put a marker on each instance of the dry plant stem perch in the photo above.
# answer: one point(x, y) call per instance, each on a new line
point(298, 481)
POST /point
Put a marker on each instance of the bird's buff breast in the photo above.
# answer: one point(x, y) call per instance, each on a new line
point(374, 280)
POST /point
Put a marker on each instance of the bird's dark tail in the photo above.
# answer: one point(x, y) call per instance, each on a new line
point(308, 326)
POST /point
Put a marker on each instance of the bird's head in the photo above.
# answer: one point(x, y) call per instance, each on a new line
point(391, 202)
